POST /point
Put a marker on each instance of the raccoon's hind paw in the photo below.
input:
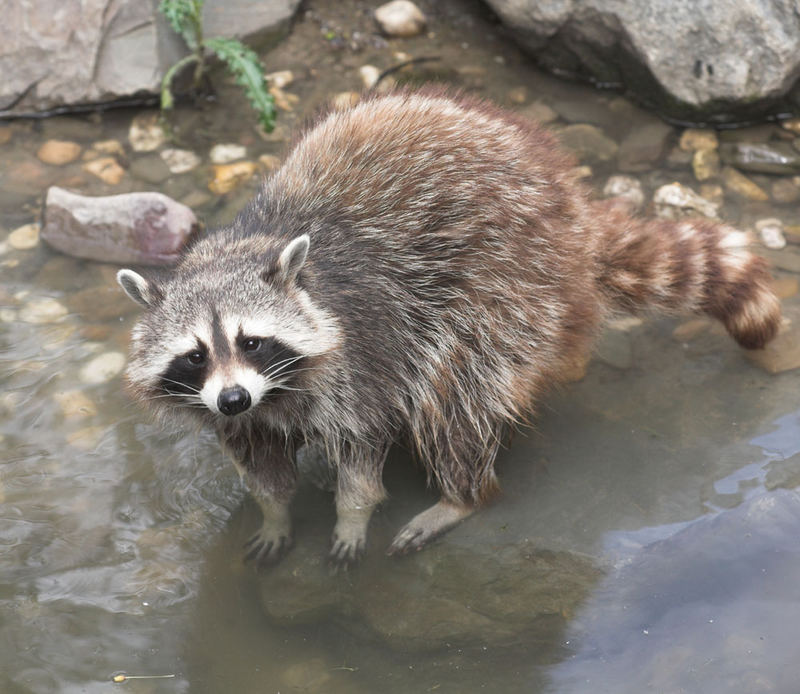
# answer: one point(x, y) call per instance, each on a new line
point(427, 525)
point(267, 548)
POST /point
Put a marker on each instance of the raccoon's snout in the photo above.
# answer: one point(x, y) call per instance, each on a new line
point(232, 401)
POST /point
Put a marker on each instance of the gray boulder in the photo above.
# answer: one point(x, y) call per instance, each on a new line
point(689, 60)
point(55, 53)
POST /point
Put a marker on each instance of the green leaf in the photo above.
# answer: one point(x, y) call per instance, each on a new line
point(243, 63)
point(186, 19)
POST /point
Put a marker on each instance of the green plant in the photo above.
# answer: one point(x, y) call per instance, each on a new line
point(186, 18)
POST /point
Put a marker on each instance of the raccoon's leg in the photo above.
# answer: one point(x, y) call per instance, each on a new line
point(359, 489)
point(463, 467)
point(267, 467)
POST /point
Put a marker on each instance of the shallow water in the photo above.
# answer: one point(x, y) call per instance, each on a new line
point(664, 481)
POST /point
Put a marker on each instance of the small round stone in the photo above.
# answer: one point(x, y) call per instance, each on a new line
point(24, 237)
point(227, 153)
point(103, 367)
point(44, 310)
point(58, 152)
point(401, 18)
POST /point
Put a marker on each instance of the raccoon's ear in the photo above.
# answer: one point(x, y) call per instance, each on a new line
point(292, 258)
point(142, 291)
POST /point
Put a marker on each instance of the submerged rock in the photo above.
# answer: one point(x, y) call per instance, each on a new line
point(24, 237)
point(770, 231)
point(443, 596)
point(103, 367)
point(230, 176)
point(738, 183)
point(675, 201)
point(588, 142)
point(761, 157)
point(58, 152)
point(627, 189)
point(137, 228)
point(400, 18)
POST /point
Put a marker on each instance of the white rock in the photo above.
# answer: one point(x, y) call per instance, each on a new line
point(24, 237)
point(674, 201)
point(226, 153)
point(369, 75)
point(8, 315)
point(280, 79)
point(44, 310)
point(770, 231)
point(400, 18)
point(145, 134)
point(627, 188)
point(103, 367)
point(180, 161)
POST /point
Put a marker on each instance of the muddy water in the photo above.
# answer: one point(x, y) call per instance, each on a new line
point(666, 477)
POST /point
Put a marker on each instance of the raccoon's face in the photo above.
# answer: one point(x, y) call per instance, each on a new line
point(223, 337)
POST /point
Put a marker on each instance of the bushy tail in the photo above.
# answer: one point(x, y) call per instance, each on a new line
point(693, 265)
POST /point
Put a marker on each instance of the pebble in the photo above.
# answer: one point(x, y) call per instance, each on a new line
point(25, 237)
point(180, 161)
point(227, 153)
point(145, 134)
point(786, 190)
point(103, 367)
point(58, 152)
point(74, 403)
point(588, 142)
point(269, 162)
point(345, 100)
point(695, 139)
point(517, 95)
point(44, 310)
point(5, 134)
point(400, 18)
point(767, 157)
point(284, 100)
point(106, 169)
point(369, 75)
point(770, 231)
point(792, 125)
point(738, 183)
point(540, 112)
point(675, 201)
point(626, 188)
point(110, 147)
point(705, 164)
point(782, 354)
point(229, 176)
point(150, 168)
point(643, 147)
point(580, 172)
point(280, 79)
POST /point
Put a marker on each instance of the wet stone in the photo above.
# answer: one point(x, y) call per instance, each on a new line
point(782, 354)
point(786, 287)
point(150, 168)
point(369, 75)
point(792, 125)
point(106, 169)
point(444, 596)
point(101, 303)
point(539, 112)
point(705, 164)
point(675, 201)
point(713, 192)
point(25, 237)
point(227, 153)
point(145, 134)
point(400, 18)
point(109, 147)
point(588, 142)
point(344, 100)
point(180, 161)
point(768, 157)
point(5, 134)
point(75, 404)
point(694, 139)
point(770, 231)
point(643, 147)
point(786, 190)
point(741, 185)
point(626, 188)
point(58, 152)
point(280, 79)
point(45, 310)
point(284, 100)
point(517, 95)
point(103, 368)
point(230, 176)
point(269, 162)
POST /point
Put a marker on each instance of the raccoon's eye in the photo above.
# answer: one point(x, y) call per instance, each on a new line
point(196, 358)
point(251, 344)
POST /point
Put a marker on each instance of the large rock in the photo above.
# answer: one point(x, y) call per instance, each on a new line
point(714, 61)
point(66, 52)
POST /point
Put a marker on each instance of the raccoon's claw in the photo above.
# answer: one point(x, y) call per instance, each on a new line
point(345, 554)
point(265, 550)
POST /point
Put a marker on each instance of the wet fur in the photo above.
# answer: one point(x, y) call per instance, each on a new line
point(457, 271)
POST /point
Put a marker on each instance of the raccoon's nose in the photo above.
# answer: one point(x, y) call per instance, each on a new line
point(233, 401)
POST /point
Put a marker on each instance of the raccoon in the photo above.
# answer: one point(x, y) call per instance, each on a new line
point(421, 269)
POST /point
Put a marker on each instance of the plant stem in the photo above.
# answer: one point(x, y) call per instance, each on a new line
point(167, 101)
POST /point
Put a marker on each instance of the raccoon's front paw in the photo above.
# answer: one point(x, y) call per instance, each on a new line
point(428, 525)
point(268, 546)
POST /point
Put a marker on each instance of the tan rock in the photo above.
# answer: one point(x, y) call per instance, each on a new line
point(344, 100)
point(145, 133)
point(690, 329)
point(25, 237)
point(785, 287)
point(269, 162)
point(713, 192)
point(539, 112)
point(400, 18)
point(786, 190)
point(792, 125)
point(106, 169)
point(285, 101)
point(782, 354)
point(517, 95)
point(74, 404)
point(738, 183)
point(5, 134)
point(229, 176)
point(694, 139)
point(110, 147)
point(280, 79)
point(58, 152)
point(705, 164)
